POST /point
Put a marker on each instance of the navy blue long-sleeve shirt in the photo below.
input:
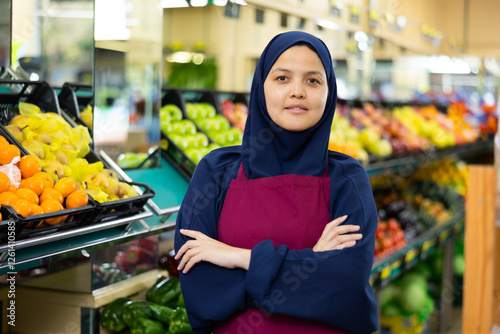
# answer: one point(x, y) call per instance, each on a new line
point(331, 287)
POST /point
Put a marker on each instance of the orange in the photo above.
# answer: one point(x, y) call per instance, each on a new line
point(51, 193)
point(36, 209)
point(8, 198)
point(66, 186)
point(49, 206)
point(4, 182)
point(3, 141)
point(48, 181)
point(77, 199)
point(29, 166)
point(27, 194)
point(12, 188)
point(22, 207)
point(33, 183)
point(1, 216)
point(8, 152)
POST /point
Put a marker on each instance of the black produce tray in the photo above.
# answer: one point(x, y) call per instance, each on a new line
point(125, 207)
point(39, 93)
point(71, 101)
point(173, 154)
point(103, 211)
point(170, 151)
point(26, 227)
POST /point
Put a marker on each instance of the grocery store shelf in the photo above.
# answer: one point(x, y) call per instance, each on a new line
point(392, 266)
point(405, 164)
point(170, 188)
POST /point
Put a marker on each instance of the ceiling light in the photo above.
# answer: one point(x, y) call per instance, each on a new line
point(198, 3)
point(219, 2)
point(240, 2)
point(328, 24)
point(174, 3)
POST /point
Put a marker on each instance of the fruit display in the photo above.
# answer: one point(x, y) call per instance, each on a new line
point(345, 138)
point(162, 312)
point(62, 150)
point(385, 132)
point(409, 207)
point(445, 172)
point(184, 133)
point(87, 116)
point(216, 126)
point(31, 192)
point(236, 113)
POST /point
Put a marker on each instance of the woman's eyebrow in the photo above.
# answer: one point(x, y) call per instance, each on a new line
point(279, 69)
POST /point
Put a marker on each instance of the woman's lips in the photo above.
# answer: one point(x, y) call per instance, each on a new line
point(296, 108)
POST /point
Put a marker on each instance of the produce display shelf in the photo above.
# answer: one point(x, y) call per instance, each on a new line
point(407, 163)
point(395, 264)
point(38, 251)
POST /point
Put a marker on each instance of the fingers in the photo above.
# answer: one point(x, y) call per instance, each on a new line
point(191, 233)
point(338, 221)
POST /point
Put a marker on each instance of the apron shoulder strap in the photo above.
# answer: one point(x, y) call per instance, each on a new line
point(241, 173)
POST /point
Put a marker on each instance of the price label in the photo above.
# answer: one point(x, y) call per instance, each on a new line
point(386, 272)
point(410, 255)
point(428, 245)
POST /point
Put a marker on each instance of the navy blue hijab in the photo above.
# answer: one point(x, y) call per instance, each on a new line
point(269, 150)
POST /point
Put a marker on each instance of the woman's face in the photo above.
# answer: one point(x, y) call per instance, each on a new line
point(296, 89)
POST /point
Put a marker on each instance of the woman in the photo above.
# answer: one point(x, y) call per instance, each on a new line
point(277, 236)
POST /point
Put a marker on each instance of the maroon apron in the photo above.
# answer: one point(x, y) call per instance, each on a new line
point(290, 210)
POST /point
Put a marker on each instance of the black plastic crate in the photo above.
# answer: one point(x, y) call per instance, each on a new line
point(171, 151)
point(175, 156)
point(27, 227)
point(125, 207)
point(73, 97)
point(39, 93)
point(122, 207)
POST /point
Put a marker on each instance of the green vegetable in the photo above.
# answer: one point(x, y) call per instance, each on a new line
point(149, 294)
point(179, 322)
point(162, 313)
point(166, 292)
point(111, 315)
point(180, 301)
point(135, 310)
point(147, 326)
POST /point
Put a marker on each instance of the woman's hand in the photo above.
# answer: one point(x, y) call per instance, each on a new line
point(204, 248)
point(337, 237)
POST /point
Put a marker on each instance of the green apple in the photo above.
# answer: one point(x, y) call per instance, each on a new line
point(202, 139)
point(174, 111)
point(190, 128)
point(205, 110)
point(223, 123)
point(166, 128)
point(178, 127)
point(194, 154)
point(213, 146)
point(165, 117)
point(188, 141)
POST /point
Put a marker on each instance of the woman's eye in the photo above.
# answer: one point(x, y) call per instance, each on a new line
point(314, 81)
point(281, 78)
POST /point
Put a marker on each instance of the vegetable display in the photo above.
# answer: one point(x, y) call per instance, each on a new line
point(162, 312)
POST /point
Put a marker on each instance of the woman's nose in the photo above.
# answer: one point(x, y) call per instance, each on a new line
point(297, 91)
